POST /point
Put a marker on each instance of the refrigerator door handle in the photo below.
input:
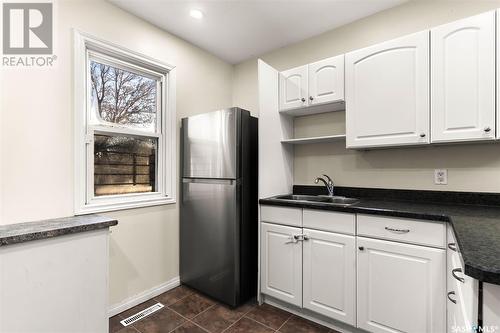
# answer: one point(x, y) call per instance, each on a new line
point(211, 181)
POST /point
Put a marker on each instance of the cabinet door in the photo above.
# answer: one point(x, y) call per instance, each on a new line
point(463, 313)
point(293, 88)
point(401, 287)
point(281, 263)
point(452, 308)
point(387, 93)
point(326, 81)
point(463, 79)
point(330, 274)
point(462, 306)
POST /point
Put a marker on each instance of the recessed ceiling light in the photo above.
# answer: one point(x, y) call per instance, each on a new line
point(196, 13)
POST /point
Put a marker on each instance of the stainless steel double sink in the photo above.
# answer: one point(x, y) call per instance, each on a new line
point(335, 200)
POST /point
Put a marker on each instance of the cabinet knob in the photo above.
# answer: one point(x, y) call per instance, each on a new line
point(303, 99)
point(487, 129)
point(422, 135)
point(311, 98)
point(361, 248)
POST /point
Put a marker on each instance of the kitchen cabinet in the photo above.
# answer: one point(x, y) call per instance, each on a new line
point(329, 275)
point(387, 93)
point(293, 88)
point(310, 268)
point(281, 263)
point(462, 292)
point(281, 215)
point(401, 287)
point(56, 284)
point(463, 80)
point(326, 81)
point(313, 88)
point(404, 230)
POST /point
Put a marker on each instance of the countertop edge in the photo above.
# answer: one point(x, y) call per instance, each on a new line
point(470, 269)
point(18, 233)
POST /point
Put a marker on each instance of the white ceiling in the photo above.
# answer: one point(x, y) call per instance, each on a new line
point(236, 30)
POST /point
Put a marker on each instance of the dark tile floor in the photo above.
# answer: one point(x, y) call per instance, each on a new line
point(187, 311)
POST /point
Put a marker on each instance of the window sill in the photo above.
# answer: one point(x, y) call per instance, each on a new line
point(109, 207)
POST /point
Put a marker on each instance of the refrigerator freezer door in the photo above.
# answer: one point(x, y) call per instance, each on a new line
point(209, 237)
point(210, 145)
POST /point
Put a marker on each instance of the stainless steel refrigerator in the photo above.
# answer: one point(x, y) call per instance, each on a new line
point(218, 210)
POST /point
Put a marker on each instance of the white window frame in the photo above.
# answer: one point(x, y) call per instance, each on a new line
point(87, 47)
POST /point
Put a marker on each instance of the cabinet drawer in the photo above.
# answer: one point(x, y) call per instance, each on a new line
point(402, 230)
point(344, 223)
point(281, 215)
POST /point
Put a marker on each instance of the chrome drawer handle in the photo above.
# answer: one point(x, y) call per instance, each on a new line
point(302, 237)
point(297, 238)
point(457, 270)
point(452, 246)
point(401, 231)
point(454, 301)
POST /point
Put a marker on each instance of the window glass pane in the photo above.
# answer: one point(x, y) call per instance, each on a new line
point(124, 164)
point(122, 97)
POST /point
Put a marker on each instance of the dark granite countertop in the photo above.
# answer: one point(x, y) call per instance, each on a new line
point(30, 231)
point(476, 227)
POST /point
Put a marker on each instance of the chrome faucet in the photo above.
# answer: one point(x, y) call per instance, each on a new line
point(328, 183)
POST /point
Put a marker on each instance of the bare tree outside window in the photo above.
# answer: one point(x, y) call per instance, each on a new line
point(122, 97)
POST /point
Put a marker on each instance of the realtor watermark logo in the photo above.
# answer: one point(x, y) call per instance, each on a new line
point(475, 329)
point(28, 34)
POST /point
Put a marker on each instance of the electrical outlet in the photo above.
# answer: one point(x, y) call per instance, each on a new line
point(441, 176)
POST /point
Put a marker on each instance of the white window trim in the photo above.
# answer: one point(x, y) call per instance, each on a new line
point(83, 43)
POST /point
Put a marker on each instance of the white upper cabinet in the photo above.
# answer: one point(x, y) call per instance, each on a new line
point(313, 88)
point(281, 263)
point(326, 81)
point(401, 287)
point(387, 93)
point(293, 88)
point(463, 79)
point(329, 275)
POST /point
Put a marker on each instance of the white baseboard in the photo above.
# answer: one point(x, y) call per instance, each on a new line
point(143, 297)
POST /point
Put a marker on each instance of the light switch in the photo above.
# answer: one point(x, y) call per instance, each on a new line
point(441, 176)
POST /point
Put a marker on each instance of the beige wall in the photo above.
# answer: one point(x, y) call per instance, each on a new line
point(37, 138)
point(474, 167)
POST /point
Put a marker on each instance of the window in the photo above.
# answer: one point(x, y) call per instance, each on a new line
point(125, 128)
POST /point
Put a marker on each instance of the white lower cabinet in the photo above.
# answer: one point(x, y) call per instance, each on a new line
point(401, 287)
point(329, 275)
point(378, 285)
point(281, 263)
point(55, 285)
point(462, 292)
